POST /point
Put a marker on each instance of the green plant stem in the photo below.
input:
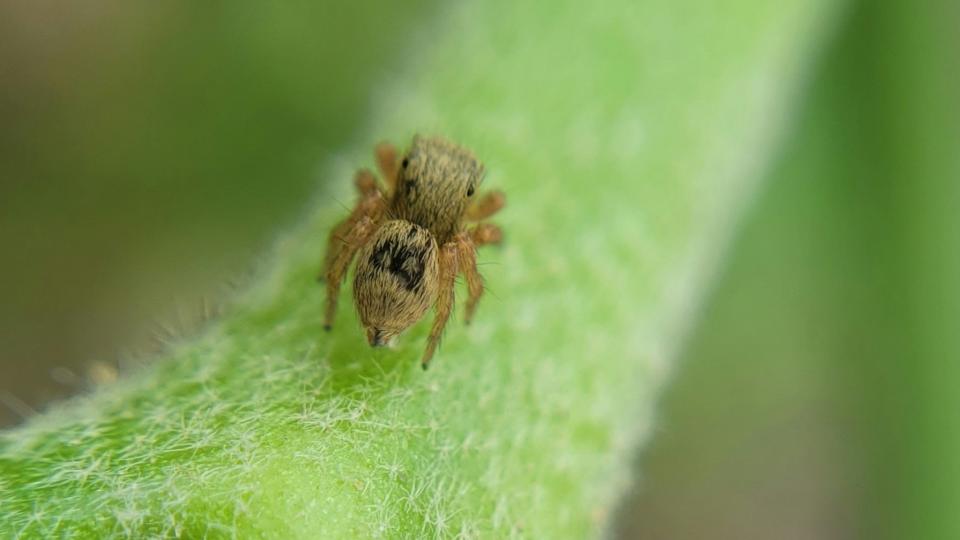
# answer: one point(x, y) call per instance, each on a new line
point(627, 139)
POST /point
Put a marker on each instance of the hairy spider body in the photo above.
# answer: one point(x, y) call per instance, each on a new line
point(396, 279)
point(435, 183)
point(411, 241)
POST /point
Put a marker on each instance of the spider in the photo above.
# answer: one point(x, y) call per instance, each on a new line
point(411, 239)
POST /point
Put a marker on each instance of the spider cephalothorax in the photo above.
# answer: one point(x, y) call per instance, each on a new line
point(435, 183)
point(411, 239)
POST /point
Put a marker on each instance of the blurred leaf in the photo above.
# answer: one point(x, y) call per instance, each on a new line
point(627, 140)
point(822, 381)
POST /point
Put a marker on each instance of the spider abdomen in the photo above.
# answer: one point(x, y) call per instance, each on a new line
point(396, 279)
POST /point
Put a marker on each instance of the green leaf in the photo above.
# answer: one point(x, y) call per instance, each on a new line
point(627, 139)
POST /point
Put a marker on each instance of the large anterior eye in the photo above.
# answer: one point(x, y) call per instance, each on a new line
point(470, 191)
point(405, 163)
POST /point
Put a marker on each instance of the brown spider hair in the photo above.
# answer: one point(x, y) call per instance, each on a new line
point(396, 279)
point(435, 183)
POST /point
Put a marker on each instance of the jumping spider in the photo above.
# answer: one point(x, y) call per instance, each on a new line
point(412, 239)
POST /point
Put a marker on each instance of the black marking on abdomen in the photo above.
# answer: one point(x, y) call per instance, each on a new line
point(403, 260)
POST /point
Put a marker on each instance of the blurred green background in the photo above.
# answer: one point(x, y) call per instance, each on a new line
point(149, 152)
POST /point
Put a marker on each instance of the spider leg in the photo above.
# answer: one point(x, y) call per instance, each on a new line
point(444, 304)
point(366, 183)
point(485, 233)
point(356, 237)
point(486, 206)
point(386, 155)
point(371, 201)
point(467, 259)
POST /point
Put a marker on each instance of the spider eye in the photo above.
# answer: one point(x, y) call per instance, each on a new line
point(405, 163)
point(470, 191)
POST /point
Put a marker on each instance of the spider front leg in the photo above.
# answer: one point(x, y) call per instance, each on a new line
point(369, 204)
point(485, 233)
point(467, 259)
point(386, 155)
point(459, 255)
point(357, 236)
point(467, 244)
point(447, 274)
point(486, 206)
